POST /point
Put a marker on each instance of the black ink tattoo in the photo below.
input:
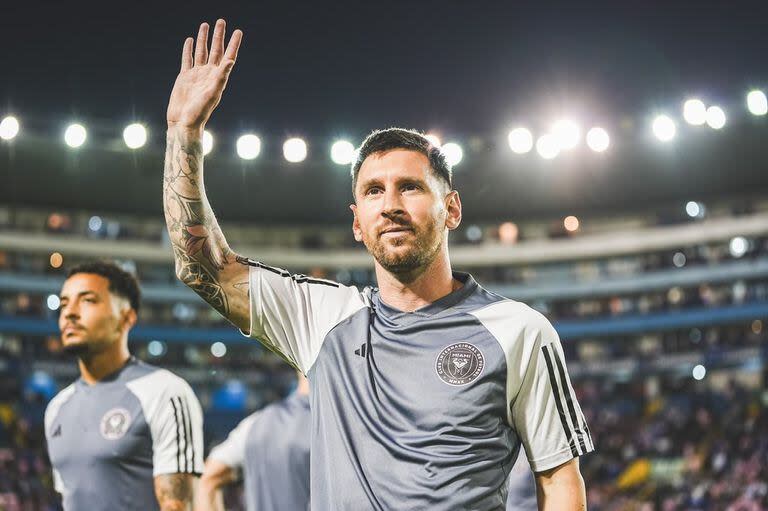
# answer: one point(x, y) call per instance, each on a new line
point(174, 491)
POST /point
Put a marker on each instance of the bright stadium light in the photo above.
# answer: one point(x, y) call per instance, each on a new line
point(156, 348)
point(433, 139)
point(664, 128)
point(135, 136)
point(75, 135)
point(453, 153)
point(520, 140)
point(699, 372)
point(295, 150)
point(567, 133)
point(695, 209)
point(738, 246)
point(695, 112)
point(207, 142)
point(343, 152)
point(95, 223)
point(53, 302)
point(9, 128)
point(547, 146)
point(218, 349)
point(598, 139)
point(757, 103)
point(715, 117)
point(571, 223)
point(248, 146)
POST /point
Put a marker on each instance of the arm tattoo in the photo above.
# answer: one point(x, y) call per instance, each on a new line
point(174, 492)
point(199, 247)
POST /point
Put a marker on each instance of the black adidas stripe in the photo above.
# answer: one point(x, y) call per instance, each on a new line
point(178, 435)
point(191, 437)
point(300, 279)
point(186, 436)
point(556, 390)
point(569, 400)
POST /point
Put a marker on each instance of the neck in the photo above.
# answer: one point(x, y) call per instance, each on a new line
point(95, 367)
point(418, 289)
point(302, 387)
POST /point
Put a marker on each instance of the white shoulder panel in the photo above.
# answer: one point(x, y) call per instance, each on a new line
point(175, 420)
point(231, 451)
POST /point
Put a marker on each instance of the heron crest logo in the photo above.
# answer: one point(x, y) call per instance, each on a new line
point(460, 363)
point(115, 423)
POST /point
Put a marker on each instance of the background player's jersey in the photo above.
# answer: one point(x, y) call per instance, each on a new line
point(521, 488)
point(271, 447)
point(420, 410)
point(107, 441)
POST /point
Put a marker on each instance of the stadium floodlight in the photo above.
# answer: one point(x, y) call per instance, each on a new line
point(56, 260)
point(699, 372)
point(343, 152)
point(738, 246)
point(156, 348)
point(453, 153)
point(433, 139)
point(95, 223)
point(598, 139)
point(547, 146)
point(520, 140)
point(9, 128)
point(757, 103)
point(695, 112)
point(295, 150)
point(135, 136)
point(75, 135)
point(248, 146)
point(695, 209)
point(218, 349)
point(664, 128)
point(567, 133)
point(53, 302)
point(571, 223)
point(715, 117)
point(679, 259)
point(207, 142)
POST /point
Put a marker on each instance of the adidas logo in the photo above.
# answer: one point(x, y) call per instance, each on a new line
point(362, 350)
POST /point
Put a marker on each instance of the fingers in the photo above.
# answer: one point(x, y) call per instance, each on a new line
point(201, 47)
point(186, 54)
point(234, 45)
point(217, 45)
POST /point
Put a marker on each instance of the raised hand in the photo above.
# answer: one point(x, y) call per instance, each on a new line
point(202, 78)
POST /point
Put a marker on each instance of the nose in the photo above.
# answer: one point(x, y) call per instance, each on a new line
point(393, 204)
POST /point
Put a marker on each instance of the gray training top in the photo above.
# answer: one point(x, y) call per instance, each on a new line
point(109, 440)
point(420, 410)
point(271, 446)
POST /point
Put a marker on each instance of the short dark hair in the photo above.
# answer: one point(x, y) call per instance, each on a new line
point(400, 138)
point(121, 282)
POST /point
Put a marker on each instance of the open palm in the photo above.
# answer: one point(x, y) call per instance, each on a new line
point(203, 77)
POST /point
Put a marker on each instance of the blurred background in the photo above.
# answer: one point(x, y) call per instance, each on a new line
point(611, 162)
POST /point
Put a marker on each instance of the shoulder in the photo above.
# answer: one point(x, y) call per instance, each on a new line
point(55, 404)
point(155, 382)
point(512, 313)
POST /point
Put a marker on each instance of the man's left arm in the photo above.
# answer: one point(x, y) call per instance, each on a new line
point(561, 488)
point(175, 492)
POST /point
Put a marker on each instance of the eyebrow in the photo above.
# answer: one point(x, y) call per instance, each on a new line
point(80, 294)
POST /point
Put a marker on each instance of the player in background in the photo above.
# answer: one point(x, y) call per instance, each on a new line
point(424, 389)
point(269, 451)
point(125, 435)
point(521, 487)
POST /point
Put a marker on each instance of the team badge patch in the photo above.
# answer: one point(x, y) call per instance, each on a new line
point(460, 363)
point(115, 423)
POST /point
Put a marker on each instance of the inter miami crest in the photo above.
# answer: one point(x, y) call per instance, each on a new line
point(460, 363)
point(115, 423)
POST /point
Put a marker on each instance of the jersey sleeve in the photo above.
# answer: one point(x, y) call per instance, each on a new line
point(291, 314)
point(545, 411)
point(231, 451)
point(51, 411)
point(175, 421)
point(542, 406)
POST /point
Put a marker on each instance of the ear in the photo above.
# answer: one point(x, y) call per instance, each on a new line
point(128, 318)
point(453, 210)
point(356, 230)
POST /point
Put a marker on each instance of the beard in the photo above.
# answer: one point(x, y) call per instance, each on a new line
point(79, 349)
point(425, 242)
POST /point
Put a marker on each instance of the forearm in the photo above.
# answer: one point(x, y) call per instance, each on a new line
point(175, 492)
point(199, 247)
point(209, 497)
point(562, 488)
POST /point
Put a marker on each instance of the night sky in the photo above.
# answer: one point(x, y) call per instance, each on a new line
point(326, 69)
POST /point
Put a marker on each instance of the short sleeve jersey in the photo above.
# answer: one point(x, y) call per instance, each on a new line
point(425, 409)
point(271, 447)
point(109, 440)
